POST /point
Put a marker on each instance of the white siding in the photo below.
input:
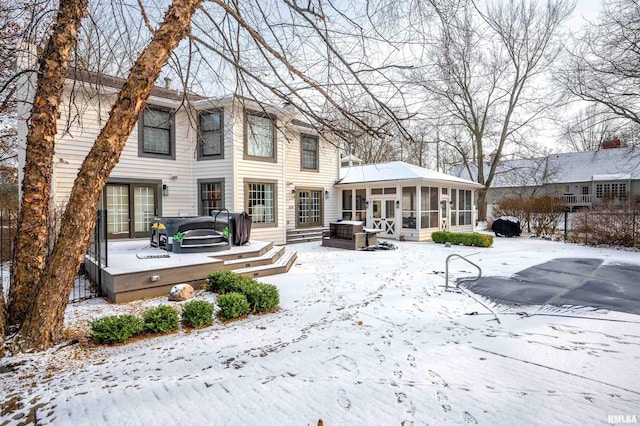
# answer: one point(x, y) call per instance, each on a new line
point(84, 120)
point(323, 179)
point(218, 169)
point(258, 171)
point(84, 115)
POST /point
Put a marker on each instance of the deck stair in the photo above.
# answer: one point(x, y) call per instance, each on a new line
point(268, 258)
point(280, 266)
point(305, 235)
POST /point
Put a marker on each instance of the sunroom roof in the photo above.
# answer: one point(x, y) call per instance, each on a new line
point(394, 171)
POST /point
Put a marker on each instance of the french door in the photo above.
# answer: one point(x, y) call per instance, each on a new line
point(308, 208)
point(130, 209)
point(384, 217)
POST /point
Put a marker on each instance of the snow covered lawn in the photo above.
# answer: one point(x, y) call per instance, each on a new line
point(362, 338)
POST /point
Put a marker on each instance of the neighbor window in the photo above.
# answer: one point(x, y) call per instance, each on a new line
point(309, 152)
point(261, 202)
point(611, 190)
point(156, 133)
point(211, 193)
point(211, 135)
point(259, 137)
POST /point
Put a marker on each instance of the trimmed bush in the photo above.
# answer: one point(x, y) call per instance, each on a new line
point(197, 313)
point(466, 239)
point(223, 281)
point(115, 328)
point(261, 297)
point(162, 319)
point(233, 305)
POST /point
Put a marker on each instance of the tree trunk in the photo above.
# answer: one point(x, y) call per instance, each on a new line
point(3, 322)
point(43, 324)
point(482, 204)
point(30, 247)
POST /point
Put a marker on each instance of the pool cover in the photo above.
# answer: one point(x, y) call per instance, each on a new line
point(560, 282)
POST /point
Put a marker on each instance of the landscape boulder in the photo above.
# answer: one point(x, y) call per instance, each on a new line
point(506, 226)
point(181, 292)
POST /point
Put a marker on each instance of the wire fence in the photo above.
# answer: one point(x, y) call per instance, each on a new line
point(84, 286)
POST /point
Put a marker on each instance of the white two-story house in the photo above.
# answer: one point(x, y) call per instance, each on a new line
point(190, 154)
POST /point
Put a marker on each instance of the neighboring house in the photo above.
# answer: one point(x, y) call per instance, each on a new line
point(581, 179)
point(406, 201)
point(189, 155)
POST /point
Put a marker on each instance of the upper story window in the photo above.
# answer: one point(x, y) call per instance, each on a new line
point(309, 153)
point(259, 137)
point(157, 133)
point(211, 134)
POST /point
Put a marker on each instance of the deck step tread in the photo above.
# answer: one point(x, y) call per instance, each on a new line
point(285, 260)
point(304, 239)
point(271, 253)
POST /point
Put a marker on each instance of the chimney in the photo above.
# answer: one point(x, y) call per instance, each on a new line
point(611, 143)
point(167, 83)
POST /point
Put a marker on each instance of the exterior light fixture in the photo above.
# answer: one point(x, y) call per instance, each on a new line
point(293, 193)
point(326, 194)
point(165, 190)
point(397, 204)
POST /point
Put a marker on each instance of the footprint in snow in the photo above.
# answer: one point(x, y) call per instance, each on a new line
point(401, 397)
point(437, 379)
point(342, 400)
point(348, 364)
point(468, 418)
point(441, 396)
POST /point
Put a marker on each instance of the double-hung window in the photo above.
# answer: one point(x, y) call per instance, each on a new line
point(259, 137)
point(156, 130)
point(309, 154)
point(211, 134)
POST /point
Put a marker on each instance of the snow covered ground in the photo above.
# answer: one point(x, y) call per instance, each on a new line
point(362, 338)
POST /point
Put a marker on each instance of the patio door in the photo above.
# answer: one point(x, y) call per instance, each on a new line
point(309, 208)
point(384, 216)
point(130, 209)
point(444, 215)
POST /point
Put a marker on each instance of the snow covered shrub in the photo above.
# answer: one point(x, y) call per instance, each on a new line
point(197, 313)
point(466, 239)
point(162, 319)
point(232, 305)
point(115, 328)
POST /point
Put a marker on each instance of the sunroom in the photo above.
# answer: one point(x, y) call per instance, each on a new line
point(404, 201)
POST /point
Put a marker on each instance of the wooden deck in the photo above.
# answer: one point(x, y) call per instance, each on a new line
point(137, 271)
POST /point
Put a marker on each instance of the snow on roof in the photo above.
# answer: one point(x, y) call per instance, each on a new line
point(396, 170)
point(606, 164)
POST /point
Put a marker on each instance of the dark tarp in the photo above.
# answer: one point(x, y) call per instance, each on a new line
point(506, 227)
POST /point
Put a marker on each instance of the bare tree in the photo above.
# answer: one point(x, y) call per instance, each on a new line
point(486, 74)
point(604, 63)
point(259, 43)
